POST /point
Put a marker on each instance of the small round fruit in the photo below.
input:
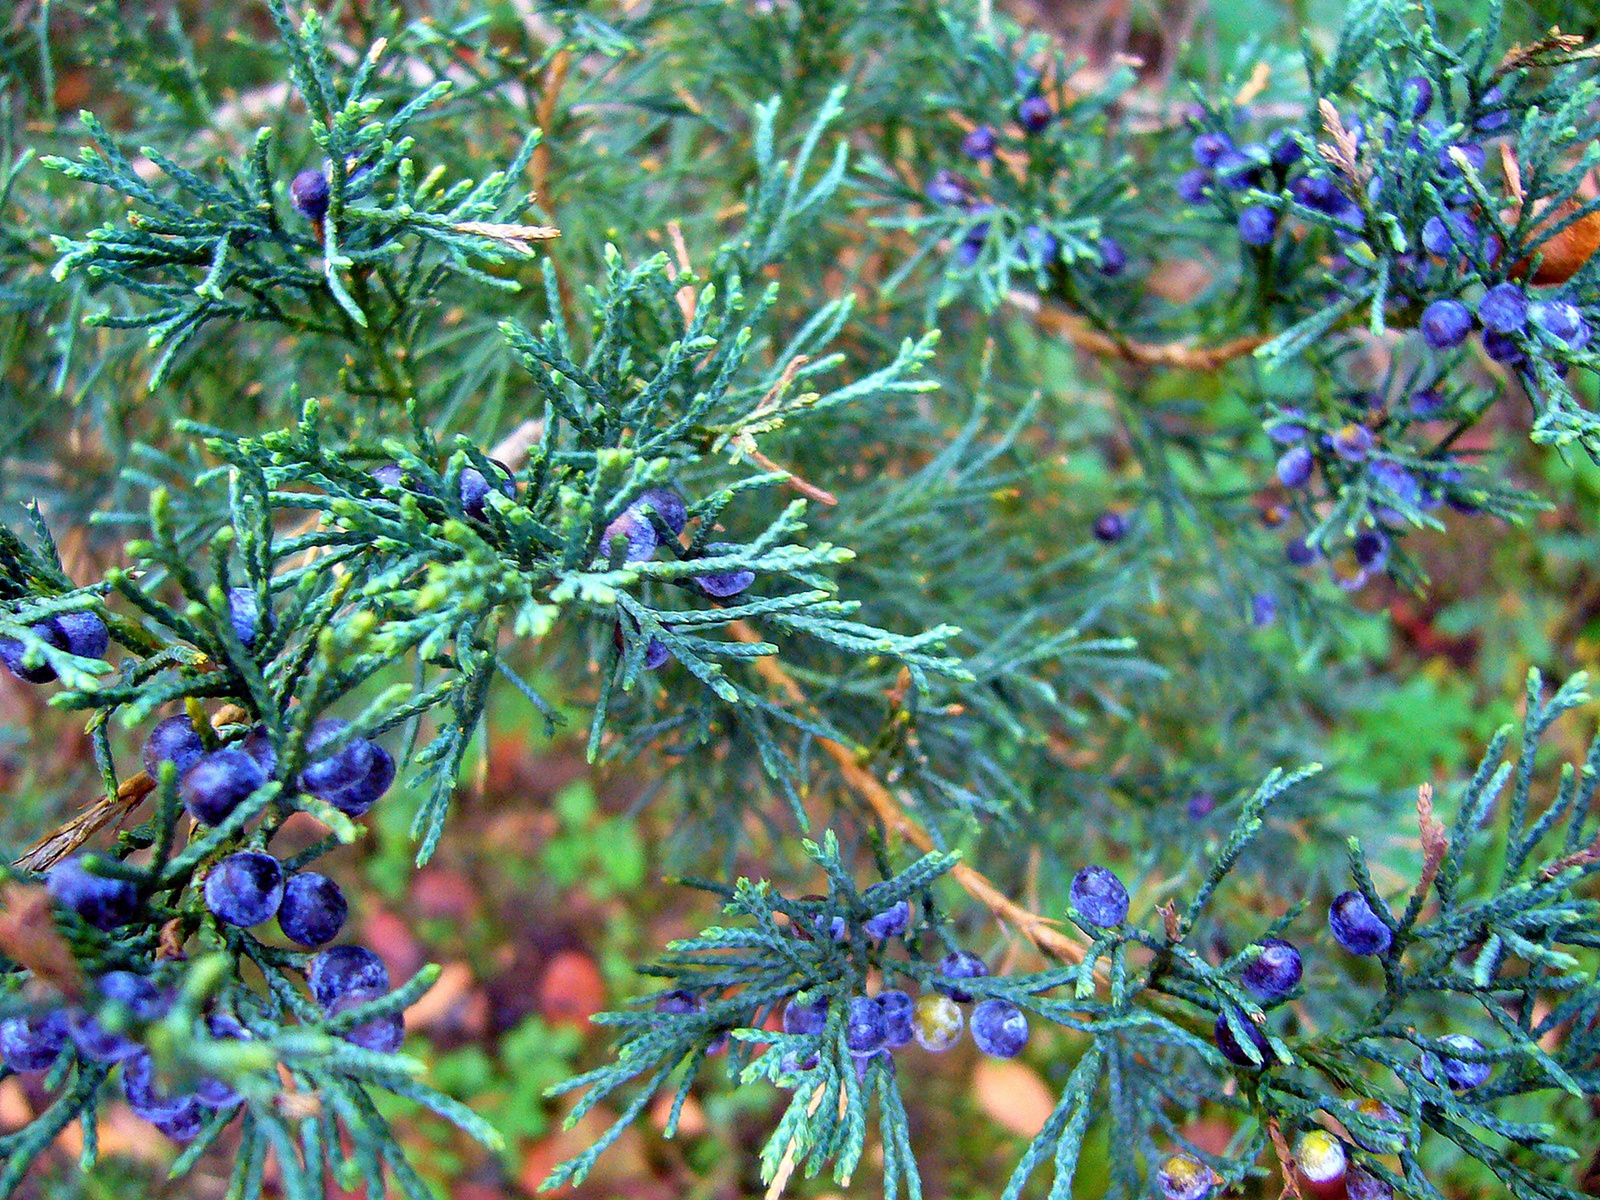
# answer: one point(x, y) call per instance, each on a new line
point(1371, 549)
point(245, 889)
point(138, 1000)
point(1275, 972)
point(961, 964)
point(999, 1028)
point(1113, 258)
point(1460, 1074)
point(313, 909)
point(1445, 323)
point(245, 615)
point(1099, 898)
point(173, 740)
point(678, 1003)
point(1258, 225)
point(1110, 526)
point(897, 1012)
point(308, 192)
point(636, 531)
point(13, 653)
point(1181, 1177)
point(1356, 927)
point(1210, 147)
point(381, 1035)
point(666, 504)
point(1295, 466)
point(176, 1115)
point(33, 1043)
point(340, 970)
point(865, 1032)
point(1228, 1042)
point(727, 583)
point(936, 1022)
point(1360, 1185)
point(1504, 308)
point(351, 778)
point(1416, 95)
point(1034, 114)
point(86, 634)
point(979, 144)
point(103, 902)
point(1322, 1161)
point(891, 922)
point(1299, 552)
point(809, 1018)
point(1352, 442)
point(218, 782)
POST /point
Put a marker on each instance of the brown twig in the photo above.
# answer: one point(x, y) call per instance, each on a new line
point(1434, 841)
point(554, 77)
point(1181, 355)
point(1291, 1185)
point(1039, 930)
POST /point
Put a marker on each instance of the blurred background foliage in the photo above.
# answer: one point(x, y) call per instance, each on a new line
point(548, 887)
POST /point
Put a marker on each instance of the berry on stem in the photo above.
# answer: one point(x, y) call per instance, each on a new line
point(13, 653)
point(727, 583)
point(308, 192)
point(1445, 323)
point(798, 1017)
point(245, 615)
point(1228, 1042)
point(381, 1035)
point(353, 776)
point(1321, 1159)
point(33, 1043)
point(1113, 258)
point(218, 782)
point(865, 1032)
point(1356, 927)
point(172, 740)
point(1459, 1074)
point(961, 964)
point(999, 1028)
point(1099, 898)
point(1273, 973)
point(1295, 466)
point(340, 970)
point(1110, 526)
point(979, 144)
point(1181, 1177)
point(103, 902)
point(137, 999)
point(891, 922)
point(245, 889)
point(313, 909)
point(1504, 308)
point(936, 1022)
point(897, 1017)
point(1034, 113)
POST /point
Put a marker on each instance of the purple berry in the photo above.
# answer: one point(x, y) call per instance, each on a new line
point(1034, 114)
point(961, 964)
point(313, 909)
point(1416, 96)
point(1359, 1185)
point(177, 1116)
point(308, 192)
point(1110, 526)
point(1286, 427)
point(474, 489)
point(1284, 149)
point(1352, 442)
point(1460, 1074)
point(1273, 973)
point(340, 970)
point(381, 1035)
point(1471, 151)
point(1294, 467)
point(979, 144)
point(1113, 258)
point(245, 889)
point(680, 1003)
point(1445, 323)
point(395, 476)
point(1498, 118)
point(217, 1093)
point(1504, 308)
point(727, 583)
point(13, 652)
point(891, 922)
point(865, 1032)
point(1201, 805)
point(801, 1018)
point(1041, 243)
point(1235, 1053)
point(85, 633)
point(218, 782)
point(33, 1043)
point(1299, 552)
point(1099, 898)
point(999, 1028)
point(897, 1008)
point(636, 530)
point(1355, 926)
point(103, 902)
point(1371, 549)
point(1239, 169)
point(948, 189)
point(1258, 225)
point(1193, 185)
point(1562, 321)
point(351, 778)
point(245, 615)
point(258, 745)
point(1263, 609)
point(666, 504)
point(137, 999)
point(1210, 147)
point(1425, 404)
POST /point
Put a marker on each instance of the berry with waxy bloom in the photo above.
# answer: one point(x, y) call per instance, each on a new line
point(351, 777)
point(1460, 1074)
point(680, 1003)
point(245, 889)
point(1352, 442)
point(1371, 549)
point(14, 653)
point(725, 583)
point(1322, 1162)
point(897, 1013)
point(1427, 403)
point(1502, 348)
point(1193, 185)
point(1098, 897)
point(891, 922)
point(100, 900)
point(381, 1035)
point(1232, 1050)
point(637, 533)
point(245, 615)
point(218, 1093)
point(1284, 149)
point(1113, 258)
point(85, 633)
point(1294, 467)
point(1504, 308)
point(799, 1017)
point(948, 189)
point(1181, 1177)
point(1273, 973)
point(1258, 225)
point(313, 909)
point(1263, 609)
point(865, 1031)
point(1034, 114)
point(135, 997)
point(1445, 323)
point(218, 782)
point(980, 143)
point(936, 1022)
point(1416, 95)
point(665, 504)
point(1561, 320)
point(1362, 1185)
point(340, 970)
point(961, 964)
point(308, 192)
point(999, 1028)
point(1375, 1126)
point(33, 1043)
point(474, 487)
point(178, 1115)
point(1356, 927)
point(1210, 147)
point(1299, 552)
point(1110, 526)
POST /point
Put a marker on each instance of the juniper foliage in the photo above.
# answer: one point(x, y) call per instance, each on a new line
point(555, 292)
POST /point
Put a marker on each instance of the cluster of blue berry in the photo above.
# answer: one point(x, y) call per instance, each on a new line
point(242, 889)
point(80, 633)
point(1038, 247)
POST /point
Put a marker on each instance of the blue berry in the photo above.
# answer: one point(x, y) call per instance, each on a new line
point(245, 615)
point(1437, 236)
point(395, 476)
point(999, 1028)
point(1273, 973)
point(1294, 467)
point(667, 505)
point(1352, 442)
point(865, 1032)
point(258, 745)
point(1425, 404)
point(961, 964)
point(216, 784)
point(1562, 321)
point(474, 490)
point(677, 1003)
point(340, 970)
point(86, 634)
point(1099, 898)
point(1399, 482)
point(897, 1009)
point(178, 1116)
point(1041, 243)
point(979, 144)
point(1034, 113)
point(100, 900)
point(381, 1035)
point(1201, 805)
point(313, 909)
point(1210, 147)
point(33, 1043)
point(655, 654)
point(727, 583)
point(1284, 149)
point(1228, 1042)
point(948, 189)
point(1239, 169)
point(138, 1000)
point(936, 1022)
point(1193, 185)
point(1286, 427)
point(891, 922)
point(1502, 348)
point(14, 653)
point(1499, 118)
point(1299, 552)
point(308, 192)
point(245, 889)
point(1460, 1074)
point(1263, 609)
point(802, 1018)
point(1356, 927)
point(1359, 1185)
point(1181, 1177)
point(1416, 96)
point(1386, 1139)
point(1371, 549)
point(352, 777)
point(635, 529)
point(1471, 151)
point(1445, 323)
point(1258, 225)
point(1504, 308)
point(1113, 258)
point(1110, 526)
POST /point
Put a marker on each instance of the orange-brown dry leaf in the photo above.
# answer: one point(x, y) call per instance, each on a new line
point(571, 990)
point(1013, 1095)
point(1564, 255)
point(29, 935)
